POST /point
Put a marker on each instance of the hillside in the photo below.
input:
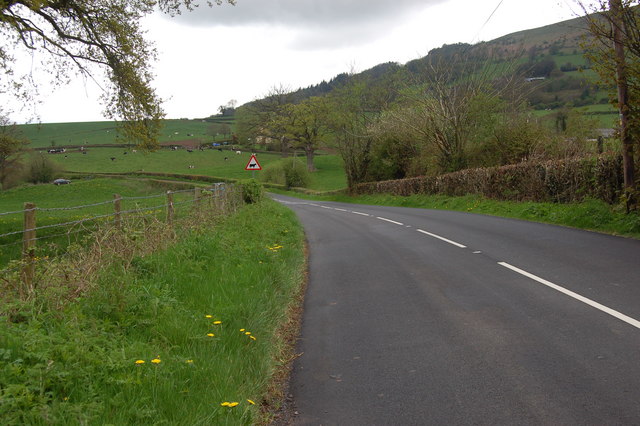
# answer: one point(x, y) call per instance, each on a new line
point(553, 55)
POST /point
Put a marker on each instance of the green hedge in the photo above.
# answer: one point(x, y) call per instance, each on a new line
point(563, 181)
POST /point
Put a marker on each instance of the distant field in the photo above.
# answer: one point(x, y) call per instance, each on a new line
point(104, 132)
point(210, 162)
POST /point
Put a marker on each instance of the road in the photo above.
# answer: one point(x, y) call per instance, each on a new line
point(422, 317)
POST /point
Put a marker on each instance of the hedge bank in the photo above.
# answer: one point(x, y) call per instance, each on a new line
point(564, 181)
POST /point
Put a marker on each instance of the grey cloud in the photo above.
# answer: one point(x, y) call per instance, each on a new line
point(320, 23)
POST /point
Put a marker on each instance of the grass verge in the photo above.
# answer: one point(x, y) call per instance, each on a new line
point(189, 335)
point(590, 215)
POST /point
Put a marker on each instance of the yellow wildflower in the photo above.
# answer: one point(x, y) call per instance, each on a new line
point(248, 333)
point(140, 361)
point(225, 404)
point(208, 316)
point(189, 361)
point(251, 402)
point(242, 329)
point(233, 404)
point(156, 361)
point(210, 334)
point(217, 322)
point(252, 338)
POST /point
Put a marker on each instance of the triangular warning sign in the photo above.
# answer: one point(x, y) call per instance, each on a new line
point(253, 163)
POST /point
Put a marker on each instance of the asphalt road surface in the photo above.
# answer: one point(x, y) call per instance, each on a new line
point(422, 317)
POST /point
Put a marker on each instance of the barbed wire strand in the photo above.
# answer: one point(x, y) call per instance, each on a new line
point(18, 211)
point(52, 209)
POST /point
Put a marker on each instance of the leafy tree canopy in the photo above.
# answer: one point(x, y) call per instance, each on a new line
point(83, 36)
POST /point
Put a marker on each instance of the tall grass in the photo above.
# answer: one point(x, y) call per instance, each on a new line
point(78, 193)
point(164, 340)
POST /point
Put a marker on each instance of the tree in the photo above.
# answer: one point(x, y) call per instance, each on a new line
point(265, 118)
point(87, 36)
point(11, 146)
point(614, 52)
point(355, 112)
point(305, 125)
point(447, 114)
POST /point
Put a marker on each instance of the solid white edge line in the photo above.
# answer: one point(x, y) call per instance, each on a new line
point(612, 312)
point(442, 238)
point(390, 221)
point(341, 210)
point(361, 214)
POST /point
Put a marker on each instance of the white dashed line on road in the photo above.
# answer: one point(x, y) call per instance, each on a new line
point(390, 221)
point(442, 238)
point(605, 309)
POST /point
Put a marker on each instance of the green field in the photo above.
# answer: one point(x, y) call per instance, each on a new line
point(209, 162)
point(104, 132)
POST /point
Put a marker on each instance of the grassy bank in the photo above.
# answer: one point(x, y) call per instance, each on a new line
point(57, 203)
point(165, 340)
point(590, 215)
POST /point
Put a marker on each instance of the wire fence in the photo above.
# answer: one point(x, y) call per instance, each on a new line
point(64, 232)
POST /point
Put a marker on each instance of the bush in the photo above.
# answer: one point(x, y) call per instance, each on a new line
point(41, 169)
point(295, 173)
point(252, 191)
point(289, 172)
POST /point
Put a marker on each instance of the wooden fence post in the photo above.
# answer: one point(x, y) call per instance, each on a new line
point(169, 208)
point(196, 196)
point(28, 246)
point(117, 207)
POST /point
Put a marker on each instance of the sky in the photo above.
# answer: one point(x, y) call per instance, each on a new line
point(211, 56)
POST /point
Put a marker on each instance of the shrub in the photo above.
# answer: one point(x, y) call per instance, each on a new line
point(295, 173)
point(274, 173)
point(289, 172)
point(41, 169)
point(252, 191)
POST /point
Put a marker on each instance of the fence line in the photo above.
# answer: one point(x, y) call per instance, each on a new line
point(53, 209)
point(30, 228)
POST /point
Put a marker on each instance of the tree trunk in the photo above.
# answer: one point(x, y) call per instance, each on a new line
point(616, 9)
point(310, 154)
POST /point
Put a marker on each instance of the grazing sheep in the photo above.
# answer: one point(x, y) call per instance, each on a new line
point(113, 158)
point(192, 167)
point(226, 158)
point(238, 152)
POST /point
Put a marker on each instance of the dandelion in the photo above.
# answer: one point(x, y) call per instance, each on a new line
point(248, 333)
point(140, 361)
point(225, 404)
point(233, 404)
point(208, 316)
point(252, 338)
point(251, 402)
point(210, 334)
point(217, 322)
point(156, 361)
point(189, 361)
point(242, 330)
